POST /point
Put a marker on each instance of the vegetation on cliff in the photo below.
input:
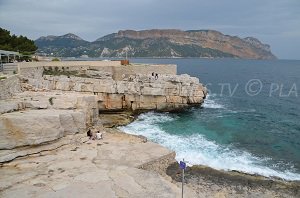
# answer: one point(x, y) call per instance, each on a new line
point(16, 43)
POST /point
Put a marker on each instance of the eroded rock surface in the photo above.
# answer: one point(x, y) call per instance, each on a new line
point(33, 127)
point(45, 103)
point(208, 182)
point(44, 117)
point(102, 168)
point(134, 92)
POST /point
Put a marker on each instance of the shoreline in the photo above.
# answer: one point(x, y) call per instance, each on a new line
point(138, 152)
point(235, 182)
point(125, 165)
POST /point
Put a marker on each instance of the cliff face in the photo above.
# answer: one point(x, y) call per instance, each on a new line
point(158, 43)
point(53, 105)
point(132, 92)
point(243, 48)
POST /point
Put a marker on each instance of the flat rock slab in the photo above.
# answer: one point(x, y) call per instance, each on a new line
point(95, 168)
point(34, 127)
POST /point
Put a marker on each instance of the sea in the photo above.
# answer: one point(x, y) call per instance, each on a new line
point(249, 122)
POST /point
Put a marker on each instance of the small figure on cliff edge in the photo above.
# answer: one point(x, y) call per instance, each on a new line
point(156, 76)
point(94, 136)
point(98, 135)
point(89, 133)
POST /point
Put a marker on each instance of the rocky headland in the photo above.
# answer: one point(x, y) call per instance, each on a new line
point(47, 108)
point(49, 101)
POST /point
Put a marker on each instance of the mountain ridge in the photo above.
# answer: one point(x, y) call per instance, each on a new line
point(158, 43)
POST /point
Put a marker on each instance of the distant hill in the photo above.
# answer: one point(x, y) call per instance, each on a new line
point(157, 43)
point(66, 45)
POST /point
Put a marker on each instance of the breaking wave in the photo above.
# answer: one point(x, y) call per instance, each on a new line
point(196, 149)
point(212, 104)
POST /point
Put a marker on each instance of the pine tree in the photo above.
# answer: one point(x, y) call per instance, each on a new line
point(16, 43)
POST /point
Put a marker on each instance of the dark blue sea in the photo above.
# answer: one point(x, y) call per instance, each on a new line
point(249, 122)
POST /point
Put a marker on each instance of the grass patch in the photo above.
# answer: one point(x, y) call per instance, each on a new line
point(92, 69)
point(58, 72)
point(51, 100)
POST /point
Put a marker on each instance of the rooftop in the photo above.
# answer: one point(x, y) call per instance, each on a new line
point(7, 53)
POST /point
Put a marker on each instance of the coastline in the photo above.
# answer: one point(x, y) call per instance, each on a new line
point(209, 182)
point(119, 156)
point(206, 181)
point(65, 158)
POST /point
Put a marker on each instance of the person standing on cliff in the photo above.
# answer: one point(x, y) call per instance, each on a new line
point(156, 76)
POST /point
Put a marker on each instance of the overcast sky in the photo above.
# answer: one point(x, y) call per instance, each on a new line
point(276, 22)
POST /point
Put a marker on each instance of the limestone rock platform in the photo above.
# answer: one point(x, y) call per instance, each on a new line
point(111, 167)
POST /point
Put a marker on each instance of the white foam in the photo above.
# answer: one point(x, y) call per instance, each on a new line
point(211, 104)
point(196, 149)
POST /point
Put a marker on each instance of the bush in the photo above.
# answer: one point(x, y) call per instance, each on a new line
point(55, 59)
point(51, 100)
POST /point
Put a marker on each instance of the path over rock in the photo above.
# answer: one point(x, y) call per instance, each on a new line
point(102, 168)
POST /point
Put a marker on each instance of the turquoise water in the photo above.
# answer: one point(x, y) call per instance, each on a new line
point(249, 122)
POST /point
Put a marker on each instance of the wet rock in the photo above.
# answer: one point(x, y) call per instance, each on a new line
point(236, 183)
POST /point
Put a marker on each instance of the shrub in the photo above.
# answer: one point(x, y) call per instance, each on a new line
point(55, 59)
point(51, 100)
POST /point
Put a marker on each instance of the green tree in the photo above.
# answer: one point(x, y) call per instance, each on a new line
point(16, 43)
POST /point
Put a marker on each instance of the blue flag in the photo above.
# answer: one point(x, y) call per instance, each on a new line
point(182, 165)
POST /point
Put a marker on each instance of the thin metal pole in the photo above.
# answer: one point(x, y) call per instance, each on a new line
point(182, 181)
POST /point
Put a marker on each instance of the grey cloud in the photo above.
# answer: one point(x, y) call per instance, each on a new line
point(273, 21)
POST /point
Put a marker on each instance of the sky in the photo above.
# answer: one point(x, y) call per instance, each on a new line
point(275, 22)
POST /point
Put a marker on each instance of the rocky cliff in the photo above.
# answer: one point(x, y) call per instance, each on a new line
point(158, 43)
point(243, 48)
point(51, 104)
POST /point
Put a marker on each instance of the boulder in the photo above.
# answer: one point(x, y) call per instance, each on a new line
point(9, 87)
point(34, 127)
point(10, 106)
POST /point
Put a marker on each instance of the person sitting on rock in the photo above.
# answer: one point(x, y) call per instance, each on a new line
point(98, 135)
point(89, 133)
